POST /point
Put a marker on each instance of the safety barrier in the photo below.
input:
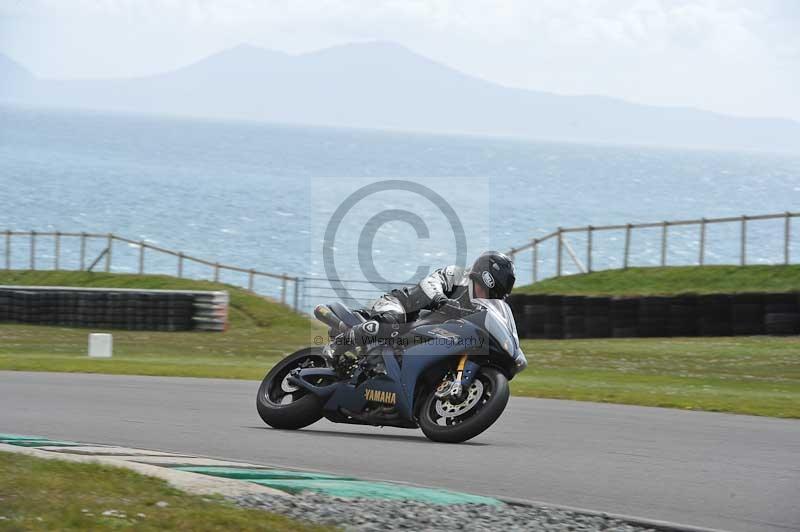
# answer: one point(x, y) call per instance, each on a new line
point(741, 314)
point(153, 310)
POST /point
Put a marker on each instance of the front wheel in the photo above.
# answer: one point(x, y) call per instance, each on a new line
point(445, 421)
point(283, 405)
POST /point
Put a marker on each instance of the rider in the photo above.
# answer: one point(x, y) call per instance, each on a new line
point(490, 277)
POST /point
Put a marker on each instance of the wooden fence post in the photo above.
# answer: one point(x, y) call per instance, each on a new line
point(250, 279)
point(743, 243)
point(664, 243)
point(83, 251)
point(33, 251)
point(535, 259)
point(283, 289)
point(216, 272)
point(8, 249)
point(589, 234)
point(702, 257)
point(57, 251)
point(627, 246)
point(787, 227)
point(180, 265)
point(296, 293)
point(560, 247)
point(141, 257)
point(108, 255)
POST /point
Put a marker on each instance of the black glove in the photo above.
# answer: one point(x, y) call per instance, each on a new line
point(441, 300)
point(364, 333)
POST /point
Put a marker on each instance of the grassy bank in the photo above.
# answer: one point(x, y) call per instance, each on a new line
point(673, 280)
point(40, 494)
point(750, 375)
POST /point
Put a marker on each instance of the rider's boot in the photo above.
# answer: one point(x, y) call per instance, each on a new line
point(347, 346)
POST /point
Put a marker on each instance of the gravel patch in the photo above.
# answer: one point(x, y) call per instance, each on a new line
point(382, 515)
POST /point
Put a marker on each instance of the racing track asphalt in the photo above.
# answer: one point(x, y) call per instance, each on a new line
point(704, 469)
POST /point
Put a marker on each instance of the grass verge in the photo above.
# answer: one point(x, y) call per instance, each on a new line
point(745, 375)
point(39, 494)
point(672, 280)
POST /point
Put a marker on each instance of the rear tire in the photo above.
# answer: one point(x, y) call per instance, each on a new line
point(303, 408)
point(481, 416)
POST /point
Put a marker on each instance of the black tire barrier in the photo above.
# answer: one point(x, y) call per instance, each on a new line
point(741, 314)
point(713, 315)
point(747, 314)
point(624, 332)
point(138, 310)
point(624, 317)
point(653, 316)
point(683, 316)
point(782, 323)
point(597, 320)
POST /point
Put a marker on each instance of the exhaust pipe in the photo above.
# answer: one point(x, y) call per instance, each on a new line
point(324, 314)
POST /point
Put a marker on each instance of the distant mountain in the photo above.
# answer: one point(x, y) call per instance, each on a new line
point(382, 85)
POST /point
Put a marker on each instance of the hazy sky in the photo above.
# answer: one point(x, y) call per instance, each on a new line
point(734, 56)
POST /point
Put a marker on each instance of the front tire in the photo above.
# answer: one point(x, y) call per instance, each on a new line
point(485, 400)
point(285, 406)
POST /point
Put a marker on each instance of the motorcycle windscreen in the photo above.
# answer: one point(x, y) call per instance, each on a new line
point(500, 324)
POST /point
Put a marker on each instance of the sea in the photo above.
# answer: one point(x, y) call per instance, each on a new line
point(372, 205)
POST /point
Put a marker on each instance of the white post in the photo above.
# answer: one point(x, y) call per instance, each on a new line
point(627, 246)
point(743, 244)
point(702, 256)
point(100, 345)
point(787, 227)
point(108, 253)
point(559, 247)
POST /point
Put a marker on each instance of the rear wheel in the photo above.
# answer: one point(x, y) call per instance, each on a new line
point(284, 405)
point(443, 420)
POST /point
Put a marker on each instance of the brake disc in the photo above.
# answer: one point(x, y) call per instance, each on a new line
point(447, 409)
point(287, 386)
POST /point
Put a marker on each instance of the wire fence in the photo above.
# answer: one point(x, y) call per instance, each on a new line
point(561, 252)
point(351, 292)
point(569, 250)
point(97, 252)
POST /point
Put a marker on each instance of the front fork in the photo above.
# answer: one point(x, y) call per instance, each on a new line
point(465, 374)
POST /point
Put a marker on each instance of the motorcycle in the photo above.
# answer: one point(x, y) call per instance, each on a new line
point(446, 373)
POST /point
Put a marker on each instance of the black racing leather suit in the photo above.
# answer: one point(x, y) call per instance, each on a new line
point(451, 282)
point(388, 313)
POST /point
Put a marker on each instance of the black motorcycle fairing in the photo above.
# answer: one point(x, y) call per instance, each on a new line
point(414, 363)
point(497, 320)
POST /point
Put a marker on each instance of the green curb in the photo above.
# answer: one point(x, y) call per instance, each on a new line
point(18, 437)
point(34, 441)
point(257, 474)
point(337, 486)
point(40, 443)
